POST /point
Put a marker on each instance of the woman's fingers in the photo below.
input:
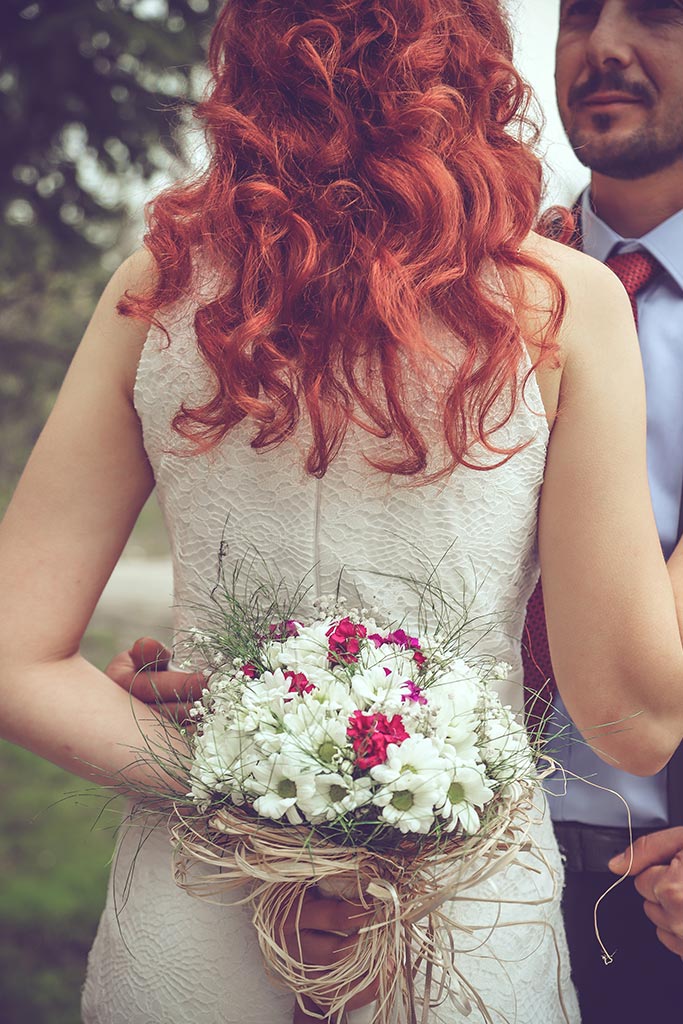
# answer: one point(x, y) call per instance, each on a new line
point(368, 995)
point(327, 914)
point(309, 1013)
point(320, 933)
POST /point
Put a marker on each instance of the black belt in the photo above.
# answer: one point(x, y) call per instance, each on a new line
point(590, 847)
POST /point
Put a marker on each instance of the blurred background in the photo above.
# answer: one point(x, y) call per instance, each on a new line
point(95, 101)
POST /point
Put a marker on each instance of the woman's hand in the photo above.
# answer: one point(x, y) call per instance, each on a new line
point(320, 933)
point(143, 672)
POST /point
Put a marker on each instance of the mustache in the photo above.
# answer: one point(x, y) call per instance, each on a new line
point(611, 80)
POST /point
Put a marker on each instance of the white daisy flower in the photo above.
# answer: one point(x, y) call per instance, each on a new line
point(307, 650)
point(335, 794)
point(413, 780)
point(331, 692)
point(466, 791)
point(506, 749)
point(279, 783)
point(454, 699)
point(224, 757)
point(314, 739)
point(396, 659)
point(374, 689)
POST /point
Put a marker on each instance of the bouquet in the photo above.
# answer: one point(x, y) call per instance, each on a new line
point(361, 757)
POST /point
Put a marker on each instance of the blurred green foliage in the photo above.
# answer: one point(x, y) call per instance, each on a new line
point(89, 93)
point(53, 858)
point(89, 101)
point(93, 94)
point(56, 841)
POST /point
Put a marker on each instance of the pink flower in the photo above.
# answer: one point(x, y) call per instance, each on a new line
point(249, 670)
point(412, 692)
point(370, 736)
point(344, 641)
point(401, 639)
point(283, 630)
point(298, 682)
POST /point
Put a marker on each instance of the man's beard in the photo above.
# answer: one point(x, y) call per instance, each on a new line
point(646, 151)
point(638, 155)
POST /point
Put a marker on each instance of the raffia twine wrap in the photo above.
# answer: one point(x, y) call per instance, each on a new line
point(406, 887)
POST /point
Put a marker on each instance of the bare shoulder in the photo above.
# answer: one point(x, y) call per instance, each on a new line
point(112, 339)
point(584, 278)
point(597, 303)
point(597, 319)
point(138, 273)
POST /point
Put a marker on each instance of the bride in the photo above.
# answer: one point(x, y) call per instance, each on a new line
point(345, 341)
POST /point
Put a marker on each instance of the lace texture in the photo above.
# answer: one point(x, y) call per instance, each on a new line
point(161, 957)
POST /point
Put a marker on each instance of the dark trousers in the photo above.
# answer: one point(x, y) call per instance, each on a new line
point(644, 984)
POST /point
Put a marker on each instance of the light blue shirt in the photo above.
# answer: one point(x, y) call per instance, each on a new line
point(660, 330)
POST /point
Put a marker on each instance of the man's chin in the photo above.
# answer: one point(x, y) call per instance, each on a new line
point(618, 156)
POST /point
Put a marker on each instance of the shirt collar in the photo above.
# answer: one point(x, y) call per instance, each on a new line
point(665, 242)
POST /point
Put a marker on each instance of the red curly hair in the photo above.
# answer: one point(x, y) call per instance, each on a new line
point(367, 167)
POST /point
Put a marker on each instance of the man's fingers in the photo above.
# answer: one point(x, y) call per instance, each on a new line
point(656, 914)
point(655, 848)
point(121, 669)
point(672, 942)
point(148, 653)
point(664, 886)
point(647, 881)
point(178, 712)
point(167, 686)
point(143, 671)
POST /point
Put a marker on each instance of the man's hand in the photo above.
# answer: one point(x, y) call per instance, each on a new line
point(143, 671)
point(658, 870)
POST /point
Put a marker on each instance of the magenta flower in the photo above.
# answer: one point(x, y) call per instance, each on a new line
point(412, 692)
point(283, 630)
point(370, 736)
point(344, 641)
point(400, 638)
point(299, 682)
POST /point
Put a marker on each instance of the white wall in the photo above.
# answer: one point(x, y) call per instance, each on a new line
point(535, 26)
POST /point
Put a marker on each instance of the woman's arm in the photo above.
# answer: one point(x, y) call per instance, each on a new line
point(611, 613)
point(675, 567)
point(65, 528)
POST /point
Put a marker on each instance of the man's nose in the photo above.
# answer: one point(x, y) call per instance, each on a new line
point(612, 38)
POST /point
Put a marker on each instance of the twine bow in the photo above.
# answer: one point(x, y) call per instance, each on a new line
point(409, 948)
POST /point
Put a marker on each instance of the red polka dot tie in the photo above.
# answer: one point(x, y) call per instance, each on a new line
point(539, 681)
point(635, 270)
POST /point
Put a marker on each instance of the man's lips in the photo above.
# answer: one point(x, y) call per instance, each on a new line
point(608, 99)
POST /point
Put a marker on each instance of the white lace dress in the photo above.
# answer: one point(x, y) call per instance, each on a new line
point(162, 957)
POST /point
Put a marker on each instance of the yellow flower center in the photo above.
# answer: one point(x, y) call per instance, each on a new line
point(402, 800)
